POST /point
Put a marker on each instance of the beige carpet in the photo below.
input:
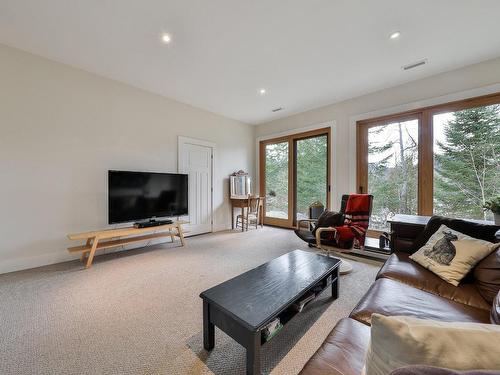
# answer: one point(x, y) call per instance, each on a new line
point(139, 312)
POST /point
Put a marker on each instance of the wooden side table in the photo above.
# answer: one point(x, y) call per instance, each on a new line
point(126, 236)
point(405, 229)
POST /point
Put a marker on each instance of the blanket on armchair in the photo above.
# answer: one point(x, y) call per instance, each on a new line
point(357, 216)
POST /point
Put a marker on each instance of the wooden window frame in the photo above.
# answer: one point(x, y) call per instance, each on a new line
point(425, 116)
point(292, 173)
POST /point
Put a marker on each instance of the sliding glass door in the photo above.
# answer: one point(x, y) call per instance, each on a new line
point(277, 176)
point(311, 173)
point(294, 173)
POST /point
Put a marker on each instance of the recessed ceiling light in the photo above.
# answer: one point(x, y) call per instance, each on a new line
point(166, 38)
point(395, 35)
point(262, 91)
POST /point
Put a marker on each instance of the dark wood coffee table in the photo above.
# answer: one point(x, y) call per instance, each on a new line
point(244, 305)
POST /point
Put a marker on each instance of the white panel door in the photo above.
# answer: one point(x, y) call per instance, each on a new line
point(196, 161)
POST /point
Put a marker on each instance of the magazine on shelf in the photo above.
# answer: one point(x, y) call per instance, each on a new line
point(299, 305)
point(272, 329)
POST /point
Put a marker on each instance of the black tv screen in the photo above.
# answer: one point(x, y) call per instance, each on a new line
point(134, 196)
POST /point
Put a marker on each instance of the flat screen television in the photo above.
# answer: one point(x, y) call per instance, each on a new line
point(138, 196)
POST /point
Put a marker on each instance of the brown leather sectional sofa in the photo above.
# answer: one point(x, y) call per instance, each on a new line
point(402, 287)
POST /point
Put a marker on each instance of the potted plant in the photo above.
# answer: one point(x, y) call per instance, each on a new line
point(494, 206)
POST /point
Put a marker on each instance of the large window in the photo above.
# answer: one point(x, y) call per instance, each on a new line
point(466, 161)
point(438, 160)
point(294, 173)
point(393, 170)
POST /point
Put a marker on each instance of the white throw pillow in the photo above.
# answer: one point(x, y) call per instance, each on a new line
point(451, 254)
point(399, 341)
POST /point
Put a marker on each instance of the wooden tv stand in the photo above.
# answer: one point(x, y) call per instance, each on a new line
point(120, 237)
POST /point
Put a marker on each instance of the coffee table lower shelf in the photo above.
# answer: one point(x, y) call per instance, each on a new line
point(253, 340)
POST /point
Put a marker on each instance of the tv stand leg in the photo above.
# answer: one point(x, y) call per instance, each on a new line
point(180, 233)
point(92, 252)
point(83, 257)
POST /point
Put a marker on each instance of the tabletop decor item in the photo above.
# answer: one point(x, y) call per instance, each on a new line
point(240, 185)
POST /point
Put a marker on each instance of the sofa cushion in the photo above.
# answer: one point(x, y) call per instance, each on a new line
point(431, 370)
point(451, 254)
point(343, 351)
point(389, 297)
point(484, 232)
point(401, 268)
point(398, 341)
point(487, 276)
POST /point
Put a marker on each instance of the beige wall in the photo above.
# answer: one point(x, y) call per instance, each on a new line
point(63, 128)
point(474, 80)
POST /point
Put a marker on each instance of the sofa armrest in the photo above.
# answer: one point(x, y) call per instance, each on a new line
point(404, 245)
point(403, 236)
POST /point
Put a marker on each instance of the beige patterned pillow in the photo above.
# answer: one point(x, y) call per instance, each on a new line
point(451, 254)
point(399, 341)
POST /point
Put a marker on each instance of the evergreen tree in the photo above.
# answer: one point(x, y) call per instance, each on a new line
point(311, 173)
point(277, 178)
point(467, 171)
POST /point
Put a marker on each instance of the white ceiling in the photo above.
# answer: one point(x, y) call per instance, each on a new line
point(306, 53)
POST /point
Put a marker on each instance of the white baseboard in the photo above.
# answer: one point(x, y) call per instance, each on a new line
point(18, 264)
point(24, 263)
point(221, 227)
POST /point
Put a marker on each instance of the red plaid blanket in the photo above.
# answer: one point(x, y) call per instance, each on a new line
point(357, 216)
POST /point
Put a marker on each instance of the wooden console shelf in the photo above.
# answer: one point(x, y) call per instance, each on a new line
point(114, 238)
